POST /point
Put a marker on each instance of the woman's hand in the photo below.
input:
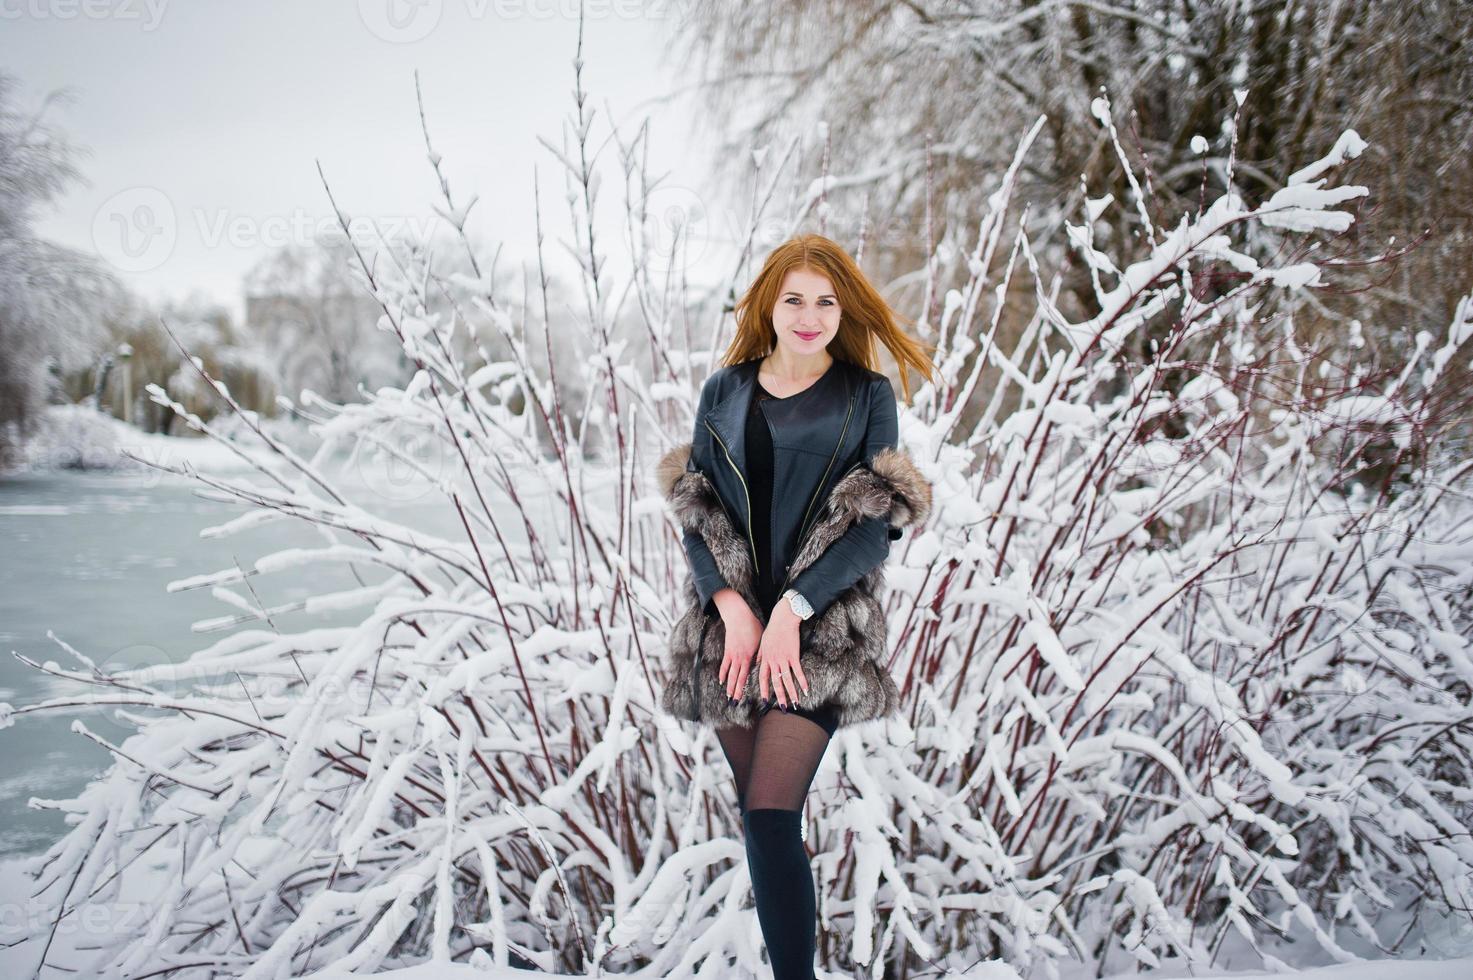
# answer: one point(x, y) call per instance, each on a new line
point(778, 669)
point(743, 633)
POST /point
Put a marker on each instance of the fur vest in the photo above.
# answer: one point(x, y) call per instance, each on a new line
point(842, 649)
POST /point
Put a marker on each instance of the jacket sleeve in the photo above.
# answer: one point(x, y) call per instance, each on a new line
point(866, 543)
point(706, 576)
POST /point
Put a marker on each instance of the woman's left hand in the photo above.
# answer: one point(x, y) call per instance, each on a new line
point(778, 670)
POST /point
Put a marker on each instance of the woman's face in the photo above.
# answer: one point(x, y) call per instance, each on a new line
point(806, 316)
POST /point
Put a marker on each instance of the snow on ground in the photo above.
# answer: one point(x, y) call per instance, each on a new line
point(21, 924)
point(1461, 969)
point(79, 437)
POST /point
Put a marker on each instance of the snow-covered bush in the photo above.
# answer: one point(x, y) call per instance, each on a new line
point(76, 437)
point(1176, 670)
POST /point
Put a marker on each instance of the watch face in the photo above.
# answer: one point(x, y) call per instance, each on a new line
point(800, 605)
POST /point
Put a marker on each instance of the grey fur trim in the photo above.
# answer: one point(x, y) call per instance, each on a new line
point(843, 648)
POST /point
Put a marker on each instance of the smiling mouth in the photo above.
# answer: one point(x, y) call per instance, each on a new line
point(807, 336)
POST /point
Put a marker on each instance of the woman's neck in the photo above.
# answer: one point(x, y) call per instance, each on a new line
point(784, 367)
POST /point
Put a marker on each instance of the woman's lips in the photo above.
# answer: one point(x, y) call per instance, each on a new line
point(807, 336)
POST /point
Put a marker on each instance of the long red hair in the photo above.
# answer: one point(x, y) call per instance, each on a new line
point(865, 317)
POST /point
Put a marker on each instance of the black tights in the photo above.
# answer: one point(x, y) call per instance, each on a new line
point(774, 763)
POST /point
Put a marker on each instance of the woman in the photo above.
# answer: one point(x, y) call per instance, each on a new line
point(788, 497)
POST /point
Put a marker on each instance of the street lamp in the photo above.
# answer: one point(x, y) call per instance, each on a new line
point(125, 354)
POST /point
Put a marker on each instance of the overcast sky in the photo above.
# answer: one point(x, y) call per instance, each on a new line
point(205, 120)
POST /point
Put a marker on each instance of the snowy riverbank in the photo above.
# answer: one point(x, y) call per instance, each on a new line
point(76, 437)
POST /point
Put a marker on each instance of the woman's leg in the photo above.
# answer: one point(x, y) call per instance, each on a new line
point(785, 757)
point(737, 744)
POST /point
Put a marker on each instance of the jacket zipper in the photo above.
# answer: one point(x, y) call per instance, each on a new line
point(803, 535)
point(747, 493)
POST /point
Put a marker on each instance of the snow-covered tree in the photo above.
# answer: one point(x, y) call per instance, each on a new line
point(145, 344)
point(919, 103)
point(306, 308)
point(1181, 667)
point(51, 297)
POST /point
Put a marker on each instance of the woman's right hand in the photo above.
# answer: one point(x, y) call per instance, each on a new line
point(743, 637)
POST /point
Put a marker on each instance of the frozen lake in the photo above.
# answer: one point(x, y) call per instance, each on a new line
point(88, 555)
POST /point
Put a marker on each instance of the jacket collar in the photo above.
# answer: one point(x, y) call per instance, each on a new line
point(729, 415)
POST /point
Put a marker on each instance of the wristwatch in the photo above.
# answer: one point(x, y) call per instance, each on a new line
point(798, 604)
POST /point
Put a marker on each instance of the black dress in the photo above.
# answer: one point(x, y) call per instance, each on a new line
point(768, 585)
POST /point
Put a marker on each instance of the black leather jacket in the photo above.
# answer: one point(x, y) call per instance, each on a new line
point(818, 436)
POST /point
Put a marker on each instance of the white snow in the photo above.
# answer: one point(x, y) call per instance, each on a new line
point(1347, 147)
point(1132, 695)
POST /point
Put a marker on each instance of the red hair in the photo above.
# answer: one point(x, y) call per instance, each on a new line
point(865, 317)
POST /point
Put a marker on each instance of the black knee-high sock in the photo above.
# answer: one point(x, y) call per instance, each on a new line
point(783, 884)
